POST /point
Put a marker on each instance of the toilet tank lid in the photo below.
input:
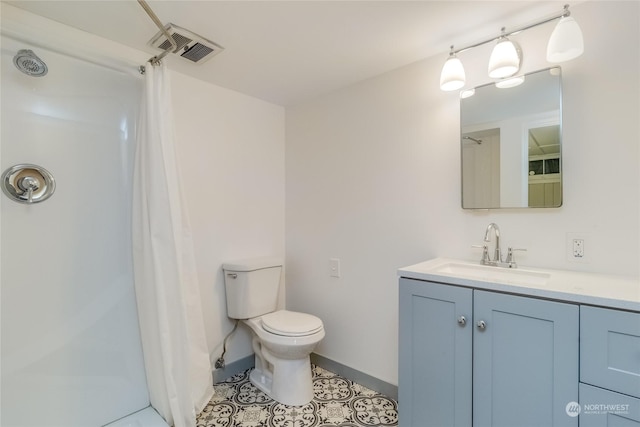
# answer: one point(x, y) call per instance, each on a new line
point(252, 264)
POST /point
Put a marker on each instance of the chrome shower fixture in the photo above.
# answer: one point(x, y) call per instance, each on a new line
point(27, 183)
point(29, 63)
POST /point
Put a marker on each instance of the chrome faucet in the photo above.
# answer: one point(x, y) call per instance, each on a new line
point(510, 262)
point(497, 257)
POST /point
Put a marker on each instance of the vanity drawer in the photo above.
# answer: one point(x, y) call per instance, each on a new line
point(604, 408)
point(610, 349)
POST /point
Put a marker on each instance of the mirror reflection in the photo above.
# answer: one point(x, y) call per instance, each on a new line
point(511, 144)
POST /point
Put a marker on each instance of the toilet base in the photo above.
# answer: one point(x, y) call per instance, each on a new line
point(282, 364)
point(261, 380)
point(289, 383)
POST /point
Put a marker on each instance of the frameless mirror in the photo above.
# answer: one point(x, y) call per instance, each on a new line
point(511, 143)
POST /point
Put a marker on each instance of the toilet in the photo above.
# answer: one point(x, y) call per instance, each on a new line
point(282, 339)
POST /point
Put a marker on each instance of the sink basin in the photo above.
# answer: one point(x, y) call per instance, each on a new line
point(493, 274)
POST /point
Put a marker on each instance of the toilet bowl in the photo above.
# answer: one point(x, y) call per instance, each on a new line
point(282, 342)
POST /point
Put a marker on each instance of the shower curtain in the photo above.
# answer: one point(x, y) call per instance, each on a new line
point(175, 350)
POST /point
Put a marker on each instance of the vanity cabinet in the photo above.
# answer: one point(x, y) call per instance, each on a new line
point(525, 360)
point(483, 358)
point(435, 337)
point(604, 408)
point(609, 367)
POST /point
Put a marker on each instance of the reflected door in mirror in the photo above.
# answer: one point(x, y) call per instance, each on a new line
point(517, 164)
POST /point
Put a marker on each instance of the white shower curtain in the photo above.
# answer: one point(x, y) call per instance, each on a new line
point(171, 322)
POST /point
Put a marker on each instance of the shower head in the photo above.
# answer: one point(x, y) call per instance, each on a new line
point(29, 63)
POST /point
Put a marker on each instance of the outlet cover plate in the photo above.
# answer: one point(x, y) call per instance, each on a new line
point(577, 247)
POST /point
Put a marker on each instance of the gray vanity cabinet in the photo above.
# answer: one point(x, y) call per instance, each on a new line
point(472, 357)
point(604, 408)
point(434, 385)
point(525, 361)
point(609, 367)
point(610, 349)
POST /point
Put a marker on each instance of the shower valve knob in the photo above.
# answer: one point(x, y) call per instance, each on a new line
point(26, 183)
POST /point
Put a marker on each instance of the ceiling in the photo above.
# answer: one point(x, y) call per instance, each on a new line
point(286, 52)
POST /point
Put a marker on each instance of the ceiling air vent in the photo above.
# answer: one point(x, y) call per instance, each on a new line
point(192, 47)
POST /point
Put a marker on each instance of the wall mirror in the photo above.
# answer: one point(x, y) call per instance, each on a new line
point(511, 144)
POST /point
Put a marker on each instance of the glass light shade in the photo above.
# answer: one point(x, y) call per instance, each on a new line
point(504, 60)
point(452, 76)
point(566, 41)
point(468, 93)
point(510, 82)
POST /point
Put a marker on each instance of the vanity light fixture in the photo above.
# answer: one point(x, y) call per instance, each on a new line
point(566, 43)
point(510, 82)
point(467, 93)
point(505, 58)
point(452, 76)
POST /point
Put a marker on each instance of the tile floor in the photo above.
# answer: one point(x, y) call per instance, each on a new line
point(337, 402)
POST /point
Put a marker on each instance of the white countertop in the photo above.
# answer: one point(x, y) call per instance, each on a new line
point(582, 288)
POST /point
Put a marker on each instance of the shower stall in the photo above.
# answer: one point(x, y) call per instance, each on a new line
point(71, 352)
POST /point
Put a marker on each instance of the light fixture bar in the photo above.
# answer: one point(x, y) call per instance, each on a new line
point(564, 14)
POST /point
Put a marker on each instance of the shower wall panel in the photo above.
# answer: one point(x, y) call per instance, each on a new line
point(71, 353)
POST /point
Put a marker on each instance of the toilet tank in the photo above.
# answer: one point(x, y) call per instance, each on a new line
point(252, 286)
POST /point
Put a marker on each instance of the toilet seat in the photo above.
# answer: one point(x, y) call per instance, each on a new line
point(291, 323)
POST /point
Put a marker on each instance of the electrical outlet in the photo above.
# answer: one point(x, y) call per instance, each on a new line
point(577, 247)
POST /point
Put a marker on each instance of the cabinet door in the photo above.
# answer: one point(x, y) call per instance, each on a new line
point(525, 368)
point(434, 384)
point(610, 349)
point(604, 408)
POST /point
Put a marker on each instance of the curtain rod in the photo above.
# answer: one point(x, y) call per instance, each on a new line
point(156, 59)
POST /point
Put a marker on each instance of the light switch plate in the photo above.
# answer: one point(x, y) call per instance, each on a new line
point(334, 267)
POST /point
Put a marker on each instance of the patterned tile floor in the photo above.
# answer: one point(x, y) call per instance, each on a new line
point(337, 402)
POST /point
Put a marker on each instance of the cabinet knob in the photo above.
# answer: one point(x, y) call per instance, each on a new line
point(482, 325)
point(462, 320)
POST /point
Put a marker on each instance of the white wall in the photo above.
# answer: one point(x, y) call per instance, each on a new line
point(231, 149)
point(373, 178)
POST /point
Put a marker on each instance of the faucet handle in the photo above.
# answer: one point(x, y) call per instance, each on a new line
point(511, 260)
point(485, 253)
